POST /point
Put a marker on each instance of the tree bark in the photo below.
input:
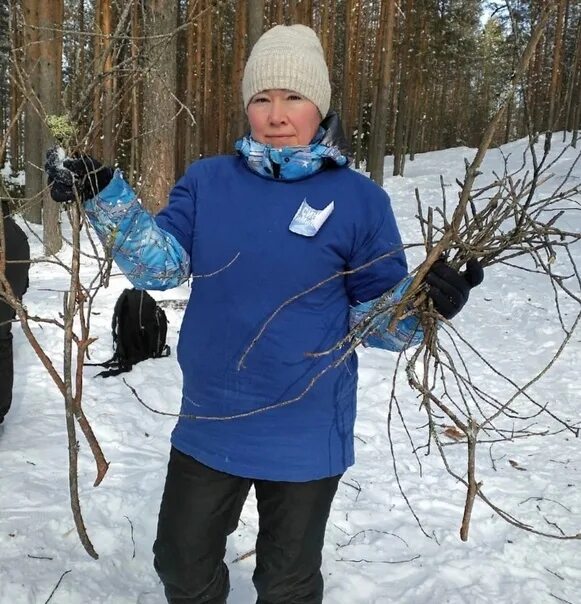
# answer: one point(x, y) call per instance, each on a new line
point(208, 133)
point(49, 93)
point(573, 81)
point(198, 102)
point(191, 79)
point(15, 94)
point(238, 123)
point(255, 16)
point(402, 109)
point(349, 73)
point(136, 97)
point(103, 109)
point(554, 88)
point(159, 108)
point(33, 139)
point(381, 103)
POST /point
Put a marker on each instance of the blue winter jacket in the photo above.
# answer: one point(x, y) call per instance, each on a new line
point(264, 394)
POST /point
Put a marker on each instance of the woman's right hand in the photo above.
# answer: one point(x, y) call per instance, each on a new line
point(69, 177)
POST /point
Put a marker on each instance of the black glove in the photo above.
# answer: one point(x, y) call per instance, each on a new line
point(449, 289)
point(80, 175)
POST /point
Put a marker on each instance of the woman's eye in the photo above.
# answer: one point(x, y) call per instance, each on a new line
point(260, 99)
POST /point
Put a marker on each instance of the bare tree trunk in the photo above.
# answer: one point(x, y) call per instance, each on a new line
point(108, 84)
point(509, 109)
point(280, 12)
point(208, 142)
point(159, 107)
point(363, 85)
point(238, 123)
point(198, 102)
point(381, 103)
point(182, 119)
point(402, 109)
point(255, 12)
point(349, 73)
point(33, 139)
point(325, 32)
point(191, 78)
point(49, 93)
point(15, 93)
point(573, 82)
point(103, 118)
point(220, 119)
point(302, 12)
point(134, 153)
point(576, 109)
point(417, 112)
point(577, 126)
point(536, 90)
point(80, 79)
point(554, 89)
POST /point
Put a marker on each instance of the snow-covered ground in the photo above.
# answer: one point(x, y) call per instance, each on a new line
point(375, 551)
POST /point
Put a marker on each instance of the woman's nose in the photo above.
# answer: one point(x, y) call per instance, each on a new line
point(277, 112)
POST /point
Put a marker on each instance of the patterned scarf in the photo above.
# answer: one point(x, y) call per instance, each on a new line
point(288, 163)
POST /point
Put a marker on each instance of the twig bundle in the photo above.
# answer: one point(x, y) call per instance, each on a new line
point(506, 220)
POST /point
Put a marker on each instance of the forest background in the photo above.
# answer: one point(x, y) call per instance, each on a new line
point(151, 86)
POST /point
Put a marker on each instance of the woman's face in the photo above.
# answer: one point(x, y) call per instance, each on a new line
point(282, 118)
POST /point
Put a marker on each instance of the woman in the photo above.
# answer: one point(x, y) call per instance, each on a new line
point(294, 242)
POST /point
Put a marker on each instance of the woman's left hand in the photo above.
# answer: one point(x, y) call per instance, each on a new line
point(449, 289)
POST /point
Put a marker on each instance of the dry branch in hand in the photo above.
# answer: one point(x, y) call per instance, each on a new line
point(77, 305)
point(498, 222)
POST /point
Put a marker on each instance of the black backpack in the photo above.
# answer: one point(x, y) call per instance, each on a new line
point(139, 329)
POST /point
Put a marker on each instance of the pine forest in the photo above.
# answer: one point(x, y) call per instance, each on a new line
point(153, 85)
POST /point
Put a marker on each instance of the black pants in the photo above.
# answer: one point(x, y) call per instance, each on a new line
point(201, 507)
point(6, 369)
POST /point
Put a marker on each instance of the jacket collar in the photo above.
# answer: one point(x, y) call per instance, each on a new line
point(328, 148)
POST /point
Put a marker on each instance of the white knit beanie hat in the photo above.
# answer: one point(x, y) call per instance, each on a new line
point(289, 58)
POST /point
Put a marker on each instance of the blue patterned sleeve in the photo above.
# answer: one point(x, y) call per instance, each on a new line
point(150, 257)
point(408, 331)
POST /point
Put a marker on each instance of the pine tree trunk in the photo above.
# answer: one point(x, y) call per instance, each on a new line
point(402, 107)
point(576, 108)
point(329, 30)
point(191, 79)
point(15, 95)
point(108, 106)
point(573, 82)
point(33, 139)
point(238, 123)
point(159, 109)
point(302, 12)
point(49, 93)
point(136, 113)
point(417, 111)
point(198, 101)
point(381, 103)
point(78, 84)
point(577, 125)
point(255, 16)
point(103, 117)
point(554, 88)
point(276, 12)
point(362, 83)
point(208, 127)
point(219, 114)
point(352, 9)
point(182, 119)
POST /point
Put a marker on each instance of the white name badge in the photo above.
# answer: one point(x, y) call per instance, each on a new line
point(307, 221)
